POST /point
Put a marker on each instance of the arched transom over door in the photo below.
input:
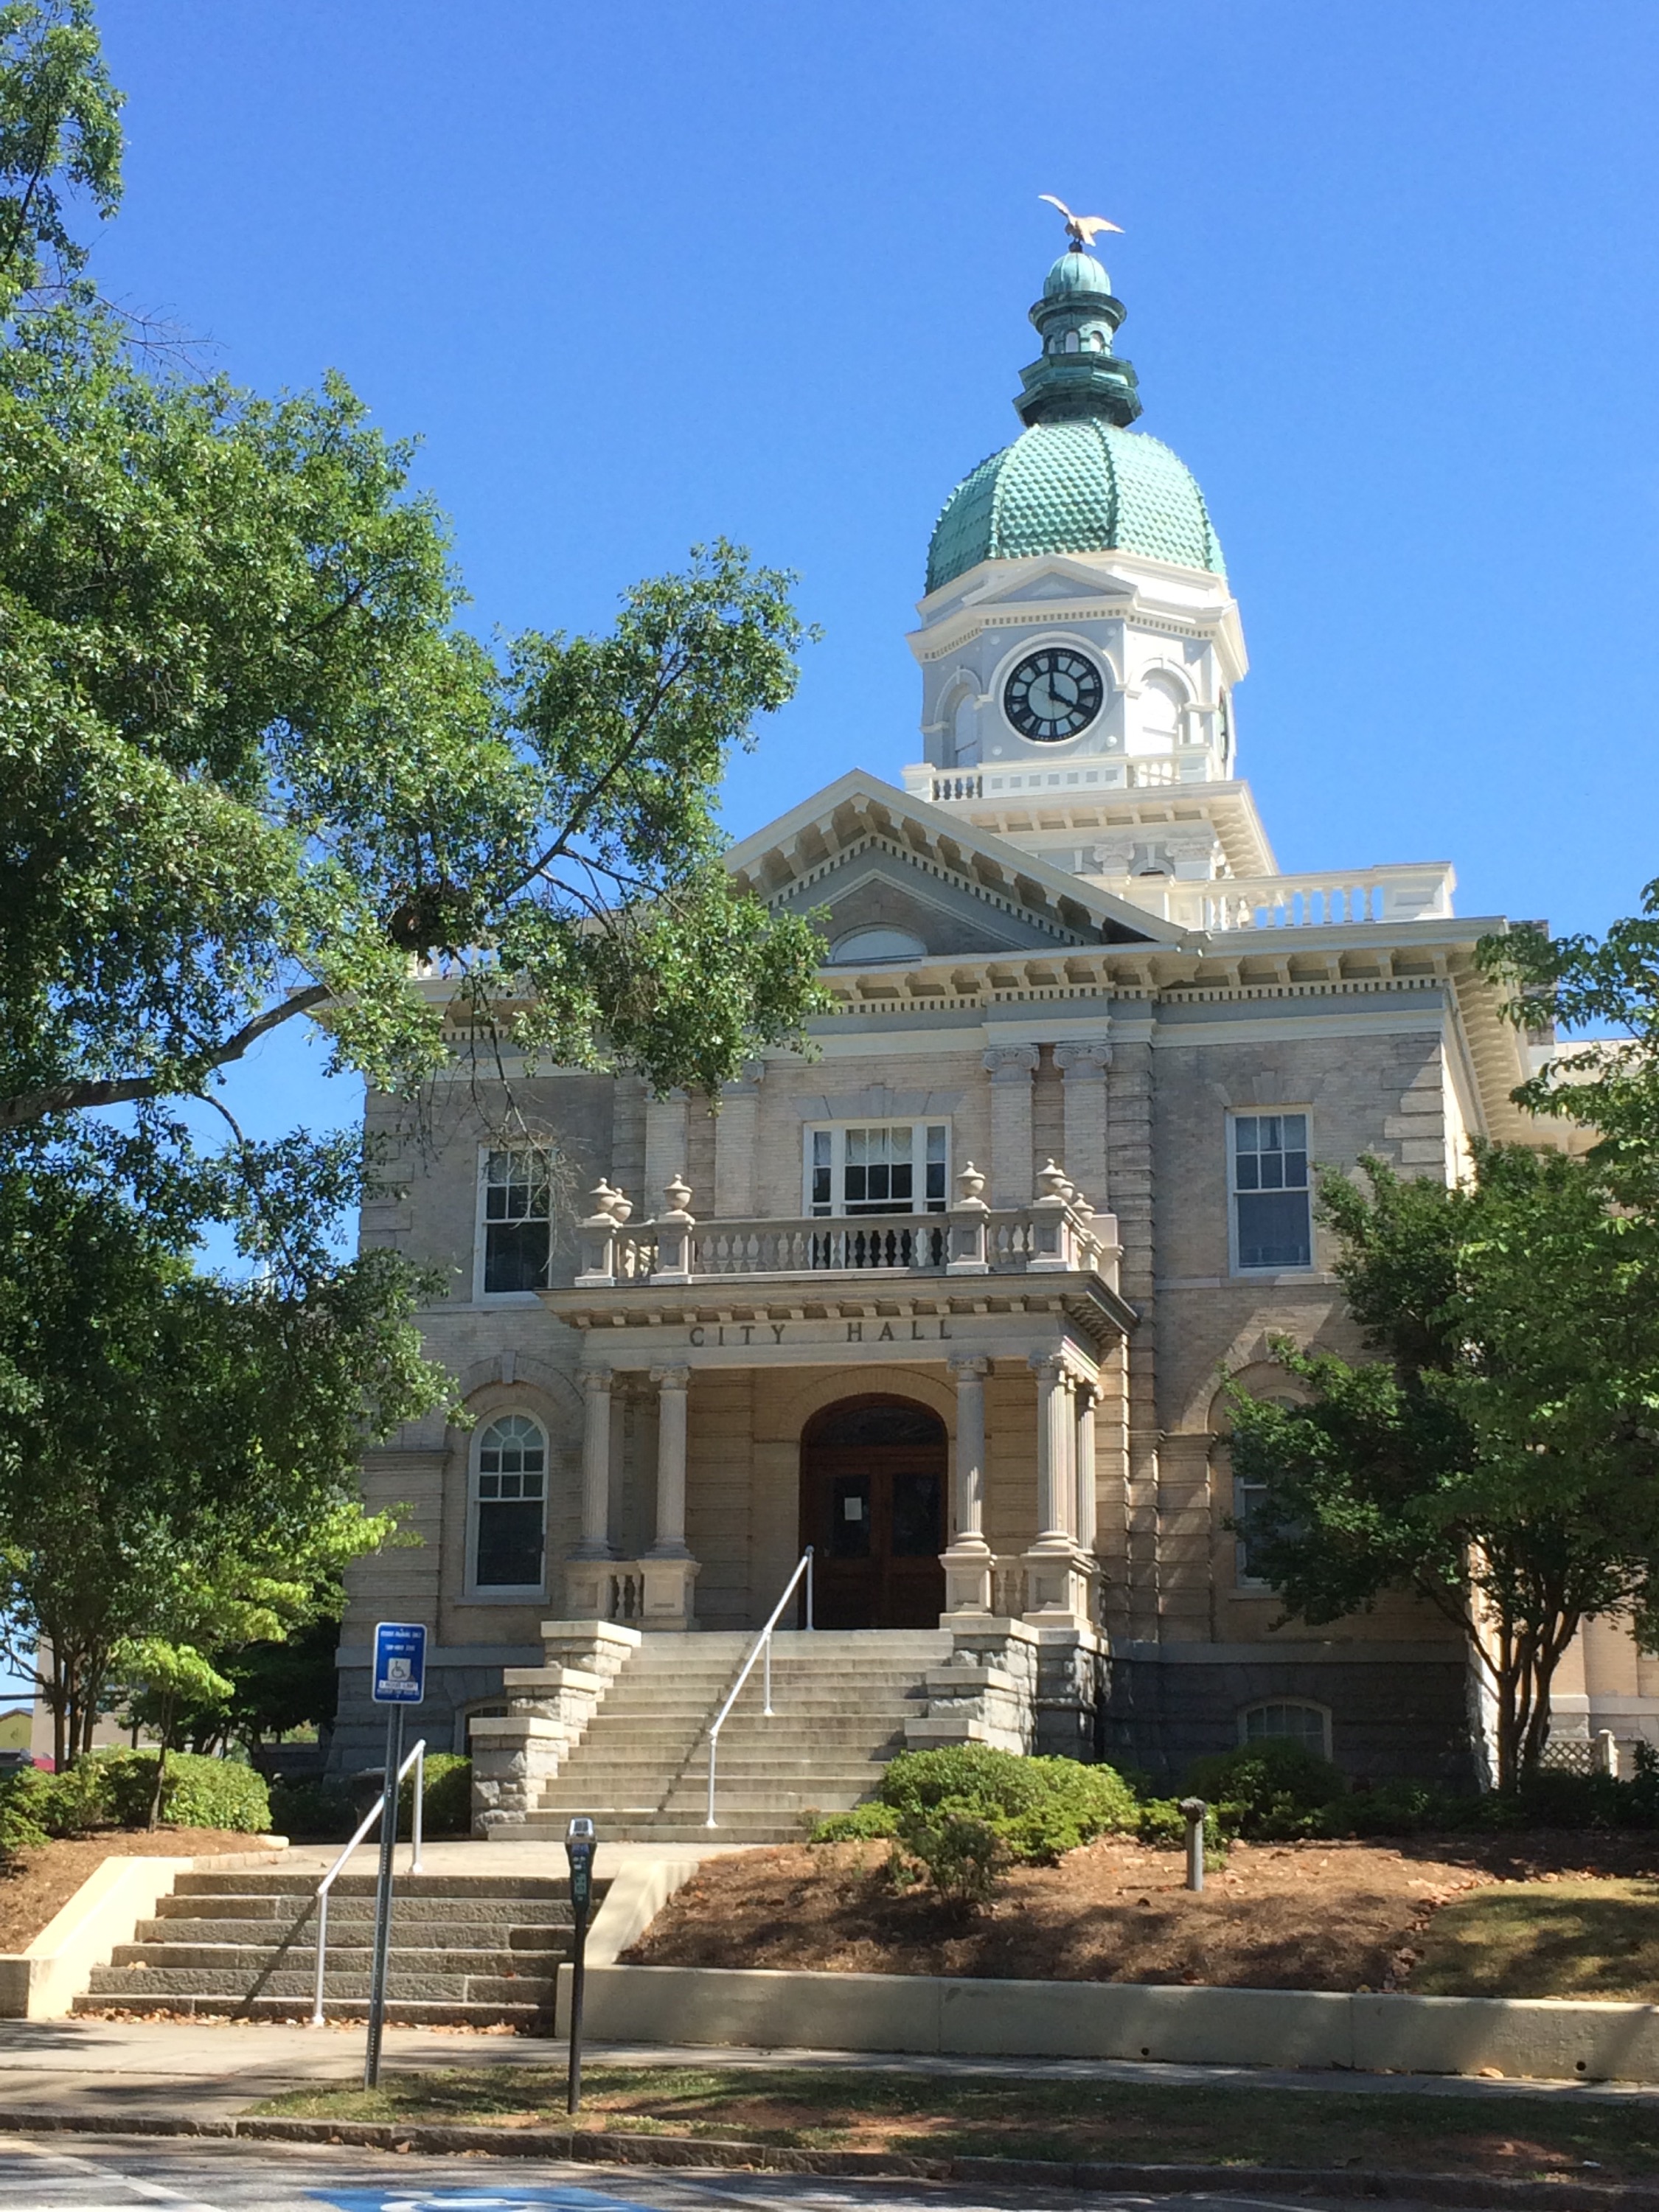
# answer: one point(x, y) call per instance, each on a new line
point(872, 1490)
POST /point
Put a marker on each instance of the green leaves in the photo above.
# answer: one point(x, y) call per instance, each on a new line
point(1500, 1455)
point(59, 134)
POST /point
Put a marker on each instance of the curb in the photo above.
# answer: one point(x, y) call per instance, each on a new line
point(581, 2146)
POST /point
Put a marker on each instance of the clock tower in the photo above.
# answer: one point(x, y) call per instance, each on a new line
point(1078, 643)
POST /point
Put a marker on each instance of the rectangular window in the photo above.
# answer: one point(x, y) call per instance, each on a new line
point(882, 1167)
point(1247, 1497)
point(518, 1222)
point(510, 1506)
point(1272, 1213)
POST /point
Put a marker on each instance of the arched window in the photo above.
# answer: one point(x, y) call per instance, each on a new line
point(1288, 1720)
point(877, 944)
point(509, 1505)
point(1156, 717)
point(964, 729)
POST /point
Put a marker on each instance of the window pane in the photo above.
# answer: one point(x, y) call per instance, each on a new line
point(1296, 1131)
point(509, 1545)
point(1247, 1497)
point(1273, 1229)
point(1249, 1173)
point(820, 1148)
point(849, 1517)
point(1244, 1132)
point(916, 1530)
point(936, 1142)
point(515, 1256)
point(1291, 1724)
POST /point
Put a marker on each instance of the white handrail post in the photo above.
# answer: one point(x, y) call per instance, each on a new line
point(714, 1738)
point(766, 1700)
point(415, 1866)
point(322, 1953)
point(762, 1648)
point(809, 1622)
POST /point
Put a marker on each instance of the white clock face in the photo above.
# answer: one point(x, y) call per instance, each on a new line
point(1052, 694)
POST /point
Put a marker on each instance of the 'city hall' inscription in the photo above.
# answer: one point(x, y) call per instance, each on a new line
point(783, 1331)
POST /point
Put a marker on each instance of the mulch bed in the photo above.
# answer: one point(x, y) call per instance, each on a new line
point(36, 1884)
point(1304, 1915)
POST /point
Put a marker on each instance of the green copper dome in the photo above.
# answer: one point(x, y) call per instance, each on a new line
point(1078, 480)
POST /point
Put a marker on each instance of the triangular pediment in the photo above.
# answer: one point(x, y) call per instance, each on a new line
point(1053, 579)
point(878, 858)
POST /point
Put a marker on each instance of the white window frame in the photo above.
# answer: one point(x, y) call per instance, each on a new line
point(837, 1131)
point(1235, 1265)
point(1306, 1704)
point(481, 1231)
point(503, 1593)
point(1243, 1579)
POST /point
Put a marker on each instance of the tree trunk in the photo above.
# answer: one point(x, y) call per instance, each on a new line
point(168, 1703)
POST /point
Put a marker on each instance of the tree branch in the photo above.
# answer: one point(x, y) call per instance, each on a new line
point(26, 1106)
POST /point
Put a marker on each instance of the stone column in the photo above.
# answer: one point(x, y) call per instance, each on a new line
point(672, 1383)
point(1052, 1415)
point(665, 1142)
point(668, 1570)
point(737, 1129)
point(1011, 1067)
point(1083, 1066)
point(967, 1558)
point(596, 1467)
point(1085, 1467)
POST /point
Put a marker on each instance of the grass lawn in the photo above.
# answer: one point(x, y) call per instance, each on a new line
point(963, 2116)
point(1559, 1939)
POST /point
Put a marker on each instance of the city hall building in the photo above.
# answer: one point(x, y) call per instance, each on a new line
point(954, 1300)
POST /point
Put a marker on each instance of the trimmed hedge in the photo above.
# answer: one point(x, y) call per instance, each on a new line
point(111, 1789)
point(1034, 1808)
point(445, 1796)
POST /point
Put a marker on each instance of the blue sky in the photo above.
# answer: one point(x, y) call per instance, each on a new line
point(638, 277)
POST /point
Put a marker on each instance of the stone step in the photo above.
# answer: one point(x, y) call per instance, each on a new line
point(652, 1831)
point(456, 1888)
point(233, 1960)
point(276, 1913)
point(531, 2018)
point(267, 1935)
point(156, 1986)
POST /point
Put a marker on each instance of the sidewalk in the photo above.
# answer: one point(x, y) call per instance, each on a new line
point(102, 2069)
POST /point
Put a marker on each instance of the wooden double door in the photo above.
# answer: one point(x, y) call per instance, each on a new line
point(873, 1489)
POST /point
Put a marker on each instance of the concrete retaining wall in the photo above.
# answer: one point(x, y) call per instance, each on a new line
point(1543, 2039)
point(43, 1982)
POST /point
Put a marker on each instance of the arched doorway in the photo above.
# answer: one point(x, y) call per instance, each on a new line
point(872, 1487)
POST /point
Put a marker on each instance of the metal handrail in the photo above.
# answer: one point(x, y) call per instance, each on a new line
point(762, 1643)
point(417, 1758)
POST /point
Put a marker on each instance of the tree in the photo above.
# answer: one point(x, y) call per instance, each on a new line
point(1498, 1456)
point(178, 1454)
point(252, 770)
point(1610, 1083)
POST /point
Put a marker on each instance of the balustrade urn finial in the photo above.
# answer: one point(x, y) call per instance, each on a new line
point(970, 1186)
point(1056, 1190)
point(602, 1203)
point(678, 1194)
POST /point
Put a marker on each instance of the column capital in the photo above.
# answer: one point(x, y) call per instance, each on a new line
point(1085, 1060)
point(1049, 1367)
point(1010, 1063)
point(596, 1379)
point(969, 1364)
point(671, 1378)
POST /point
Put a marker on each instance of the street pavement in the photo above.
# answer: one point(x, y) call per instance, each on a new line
point(105, 2175)
point(104, 2068)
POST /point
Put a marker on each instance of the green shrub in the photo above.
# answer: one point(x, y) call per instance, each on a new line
point(81, 1798)
point(19, 1824)
point(864, 1824)
point(197, 1793)
point(963, 1853)
point(1284, 1789)
point(1038, 1808)
point(310, 1810)
point(445, 1797)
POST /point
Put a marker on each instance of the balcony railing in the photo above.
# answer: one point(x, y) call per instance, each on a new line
point(1057, 1233)
point(1308, 901)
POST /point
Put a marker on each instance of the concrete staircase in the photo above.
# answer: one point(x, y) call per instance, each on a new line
point(467, 1950)
point(840, 1700)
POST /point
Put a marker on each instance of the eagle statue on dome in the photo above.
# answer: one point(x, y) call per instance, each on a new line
point(1081, 229)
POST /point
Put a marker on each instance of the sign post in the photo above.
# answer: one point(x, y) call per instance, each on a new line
point(399, 1679)
point(578, 1845)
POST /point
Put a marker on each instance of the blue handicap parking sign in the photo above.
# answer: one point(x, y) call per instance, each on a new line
point(400, 1663)
point(505, 2199)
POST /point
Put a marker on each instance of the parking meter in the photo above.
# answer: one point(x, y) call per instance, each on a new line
point(579, 1842)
